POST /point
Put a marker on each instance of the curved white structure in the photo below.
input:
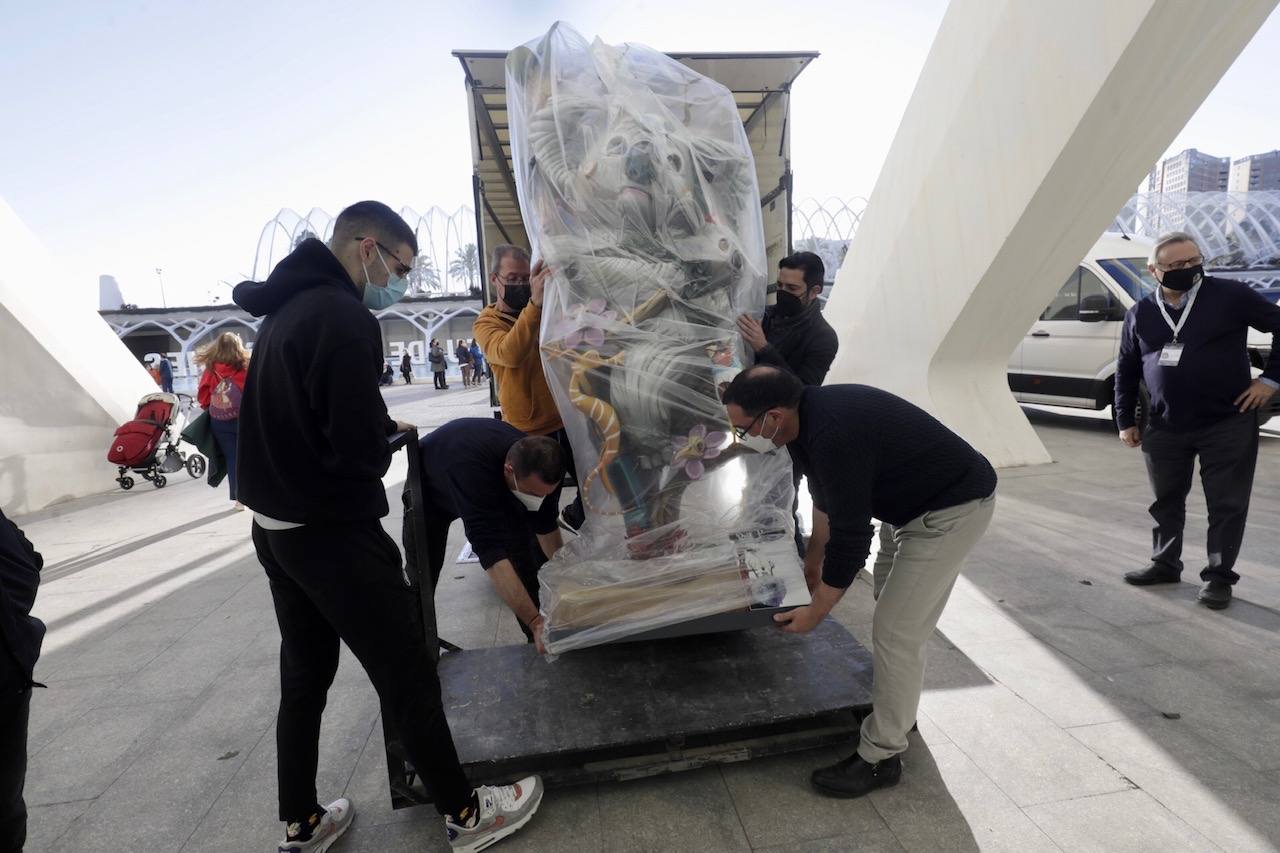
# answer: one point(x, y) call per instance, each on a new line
point(1028, 128)
point(66, 380)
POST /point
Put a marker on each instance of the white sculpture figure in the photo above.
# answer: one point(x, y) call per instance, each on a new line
point(638, 188)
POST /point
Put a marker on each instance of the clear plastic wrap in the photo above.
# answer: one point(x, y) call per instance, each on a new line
point(637, 186)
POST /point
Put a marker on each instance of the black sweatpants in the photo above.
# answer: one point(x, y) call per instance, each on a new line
point(345, 581)
point(1228, 452)
point(15, 711)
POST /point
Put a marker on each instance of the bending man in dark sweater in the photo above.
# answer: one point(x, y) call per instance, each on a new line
point(312, 453)
point(1188, 339)
point(504, 486)
point(869, 454)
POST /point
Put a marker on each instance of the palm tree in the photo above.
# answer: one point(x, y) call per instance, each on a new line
point(466, 265)
point(424, 276)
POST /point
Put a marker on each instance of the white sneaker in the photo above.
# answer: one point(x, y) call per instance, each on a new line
point(503, 810)
point(336, 820)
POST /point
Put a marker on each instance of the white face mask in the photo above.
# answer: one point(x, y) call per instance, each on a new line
point(761, 443)
point(532, 503)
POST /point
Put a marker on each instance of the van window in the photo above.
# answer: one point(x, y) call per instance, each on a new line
point(1066, 304)
point(1132, 275)
point(1082, 288)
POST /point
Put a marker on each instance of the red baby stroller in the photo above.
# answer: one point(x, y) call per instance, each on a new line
point(148, 445)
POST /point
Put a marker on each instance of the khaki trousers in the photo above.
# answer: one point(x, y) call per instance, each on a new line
point(915, 570)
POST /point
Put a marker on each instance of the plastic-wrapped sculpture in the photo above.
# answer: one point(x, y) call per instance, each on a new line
point(638, 188)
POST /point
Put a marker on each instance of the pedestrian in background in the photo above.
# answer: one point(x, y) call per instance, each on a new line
point(463, 354)
point(477, 362)
point(224, 363)
point(406, 368)
point(438, 364)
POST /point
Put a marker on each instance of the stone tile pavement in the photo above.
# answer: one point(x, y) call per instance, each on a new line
point(1063, 710)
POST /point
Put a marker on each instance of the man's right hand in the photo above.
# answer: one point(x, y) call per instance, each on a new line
point(1130, 437)
point(538, 281)
point(536, 629)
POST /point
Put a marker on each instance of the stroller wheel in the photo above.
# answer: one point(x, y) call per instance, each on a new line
point(159, 481)
point(126, 483)
point(196, 466)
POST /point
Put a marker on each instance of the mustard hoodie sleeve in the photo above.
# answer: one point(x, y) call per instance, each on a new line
point(509, 346)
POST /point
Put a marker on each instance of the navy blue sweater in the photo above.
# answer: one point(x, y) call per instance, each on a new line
point(462, 478)
point(869, 454)
point(1214, 368)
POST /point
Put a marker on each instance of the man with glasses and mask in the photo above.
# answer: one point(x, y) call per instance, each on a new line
point(1188, 341)
point(312, 453)
point(508, 334)
point(868, 455)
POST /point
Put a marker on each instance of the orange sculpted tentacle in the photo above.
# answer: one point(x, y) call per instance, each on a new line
point(599, 413)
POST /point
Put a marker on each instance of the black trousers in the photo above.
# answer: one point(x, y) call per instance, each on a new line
point(15, 711)
point(438, 377)
point(344, 582)
point(576, 508)
point(526, 554)
point(1228, 453)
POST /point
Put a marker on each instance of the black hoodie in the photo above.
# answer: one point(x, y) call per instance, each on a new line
point(313, 424)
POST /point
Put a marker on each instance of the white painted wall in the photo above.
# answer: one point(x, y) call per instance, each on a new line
point(1028, 129)
point(66, 380)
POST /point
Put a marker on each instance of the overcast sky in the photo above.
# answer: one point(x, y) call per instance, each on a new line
point(166, 134)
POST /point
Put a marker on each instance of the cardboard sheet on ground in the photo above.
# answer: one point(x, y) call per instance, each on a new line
point(637, 186)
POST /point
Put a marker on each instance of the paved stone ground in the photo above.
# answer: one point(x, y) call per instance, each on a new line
point(1063, 710)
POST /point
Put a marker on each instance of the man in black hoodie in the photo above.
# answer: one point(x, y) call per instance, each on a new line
point(312, 453)
point(21, 635)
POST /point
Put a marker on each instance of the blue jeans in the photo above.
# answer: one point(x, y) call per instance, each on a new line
point(227, 434)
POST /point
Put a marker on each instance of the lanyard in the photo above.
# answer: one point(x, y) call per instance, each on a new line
point(1186, 312)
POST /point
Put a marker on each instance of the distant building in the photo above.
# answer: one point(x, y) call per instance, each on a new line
point(1256, 172)
point(1190, 171)
point(109, 296)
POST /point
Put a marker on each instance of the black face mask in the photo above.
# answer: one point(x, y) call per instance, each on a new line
point(1183, 280)
point(788, 304)
point(516, 295)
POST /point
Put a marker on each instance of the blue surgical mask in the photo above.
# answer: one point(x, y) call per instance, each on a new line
point(376, 298)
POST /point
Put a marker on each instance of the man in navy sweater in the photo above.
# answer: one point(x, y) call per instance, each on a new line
point(1187, 340)
point(869, 454)
point(504, 486)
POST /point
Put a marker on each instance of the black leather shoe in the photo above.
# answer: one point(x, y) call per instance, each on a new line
point(1152, 574)
point(854, 777)
point(1215, 595)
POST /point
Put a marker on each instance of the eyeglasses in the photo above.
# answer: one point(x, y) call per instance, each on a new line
point(1182, 265)
point(402, 269)
point(743, 432)
point(514, 280)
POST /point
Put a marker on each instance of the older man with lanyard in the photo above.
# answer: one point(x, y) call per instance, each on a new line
point(1187, 340)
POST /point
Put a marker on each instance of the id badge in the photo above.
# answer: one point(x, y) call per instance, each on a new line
point(1170, 355)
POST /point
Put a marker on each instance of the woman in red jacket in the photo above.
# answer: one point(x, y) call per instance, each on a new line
point(221, 386)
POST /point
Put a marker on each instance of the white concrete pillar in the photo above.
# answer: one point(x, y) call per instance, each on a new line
point(1029, 127)
point(66, 380)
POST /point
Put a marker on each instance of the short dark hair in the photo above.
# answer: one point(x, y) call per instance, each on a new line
point(373, 219)
point(815, 272)
point(537, 454)
point(763, 387)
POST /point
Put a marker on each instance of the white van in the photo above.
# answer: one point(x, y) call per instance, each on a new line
point(1068, 358)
